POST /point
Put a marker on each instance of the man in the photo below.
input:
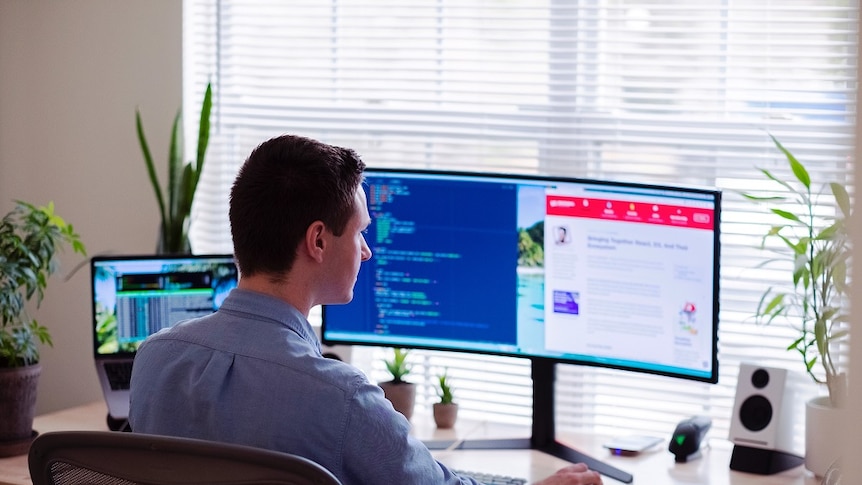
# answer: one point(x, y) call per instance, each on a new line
point(252, 372)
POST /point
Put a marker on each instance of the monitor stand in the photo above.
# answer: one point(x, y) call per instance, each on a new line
point(544, 429)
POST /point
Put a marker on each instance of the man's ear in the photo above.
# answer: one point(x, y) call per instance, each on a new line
point(315, 240)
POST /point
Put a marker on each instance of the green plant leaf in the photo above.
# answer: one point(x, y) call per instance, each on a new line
point(786, 214)
point(175, 167)
point(839, 275)
point(841, 198)
point(444, 389)
point(151, 168)
point(398, 366)
point(762, 198)
point(776, 301)
point(186, 189)
point(204, 130)
point(777, 180)
point(798, 169)
point(830, 232)
point(796, 343)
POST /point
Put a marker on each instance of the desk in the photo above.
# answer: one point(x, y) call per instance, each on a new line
point(89, 417)
point(654, 467)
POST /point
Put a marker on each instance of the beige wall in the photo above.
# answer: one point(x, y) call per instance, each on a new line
point(71, 75)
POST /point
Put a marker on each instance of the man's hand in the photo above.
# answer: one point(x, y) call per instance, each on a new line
point(577, 474)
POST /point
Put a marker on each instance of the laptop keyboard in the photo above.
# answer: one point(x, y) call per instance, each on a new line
point(119, 374)
point(492, 479)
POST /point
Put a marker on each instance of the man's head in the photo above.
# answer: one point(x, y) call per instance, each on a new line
point(285, 185)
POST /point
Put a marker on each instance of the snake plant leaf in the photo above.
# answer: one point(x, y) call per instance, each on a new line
point(203, 132)
point(151, 168)
point(175, 167)
point(187, 188)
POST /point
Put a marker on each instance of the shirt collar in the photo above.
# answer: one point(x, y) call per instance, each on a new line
point(271, 308)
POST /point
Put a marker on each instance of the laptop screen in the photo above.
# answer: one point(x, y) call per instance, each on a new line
point(136, 296)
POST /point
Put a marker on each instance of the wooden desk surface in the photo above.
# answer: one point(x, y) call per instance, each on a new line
point(93, 416)
point(654, 467)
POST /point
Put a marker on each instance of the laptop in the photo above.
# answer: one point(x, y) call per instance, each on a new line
point(136, 296)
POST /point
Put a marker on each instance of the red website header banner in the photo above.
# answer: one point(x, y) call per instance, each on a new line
point(627, 211)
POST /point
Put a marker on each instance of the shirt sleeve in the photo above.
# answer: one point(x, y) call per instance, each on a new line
point(378, 447)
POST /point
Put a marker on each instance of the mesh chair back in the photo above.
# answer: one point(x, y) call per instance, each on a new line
point(114, 458)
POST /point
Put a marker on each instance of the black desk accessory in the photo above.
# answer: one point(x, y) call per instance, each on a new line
point(687, 437)
point(762, 461)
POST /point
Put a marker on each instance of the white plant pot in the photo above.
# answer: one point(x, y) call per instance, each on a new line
point(823, 427)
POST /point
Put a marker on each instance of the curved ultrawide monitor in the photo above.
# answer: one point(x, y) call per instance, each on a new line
point(588, 272)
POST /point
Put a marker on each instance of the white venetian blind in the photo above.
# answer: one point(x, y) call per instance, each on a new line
point(670, 91)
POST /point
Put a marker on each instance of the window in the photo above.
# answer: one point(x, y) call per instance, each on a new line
point(668, 91)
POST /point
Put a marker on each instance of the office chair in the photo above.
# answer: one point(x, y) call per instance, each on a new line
point(114, 458)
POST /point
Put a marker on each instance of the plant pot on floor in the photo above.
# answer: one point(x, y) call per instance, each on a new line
point(823, 423)
point(445, 415)
point(18, 386)
point(402, 395)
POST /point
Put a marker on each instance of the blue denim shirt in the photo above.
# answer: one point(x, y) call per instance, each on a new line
point(252, 373)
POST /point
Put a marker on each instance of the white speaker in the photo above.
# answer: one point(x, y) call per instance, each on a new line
point(339, 352)
point(761, 427)
point(761, 413)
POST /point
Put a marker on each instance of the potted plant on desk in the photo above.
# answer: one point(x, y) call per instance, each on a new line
point(814, 243)
point(30, 237)
point(445, 411)
point(400, 393)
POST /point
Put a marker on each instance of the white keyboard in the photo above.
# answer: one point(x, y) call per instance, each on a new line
point(492, 479)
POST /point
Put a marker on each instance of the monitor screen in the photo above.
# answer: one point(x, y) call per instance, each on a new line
point(136, 296)
point(589, 272)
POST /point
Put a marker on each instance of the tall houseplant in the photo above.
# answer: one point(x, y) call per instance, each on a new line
point(30, 238)
point(818, 247)
point(401, 394)
point(175, 202)
point(813, 239)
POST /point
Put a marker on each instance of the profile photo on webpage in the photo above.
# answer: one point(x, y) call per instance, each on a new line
point(562, 235)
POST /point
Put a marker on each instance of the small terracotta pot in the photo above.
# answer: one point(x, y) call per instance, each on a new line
point(402, 395)
point(445, 414)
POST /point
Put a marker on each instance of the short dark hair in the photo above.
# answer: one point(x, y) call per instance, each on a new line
point(287, 183)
